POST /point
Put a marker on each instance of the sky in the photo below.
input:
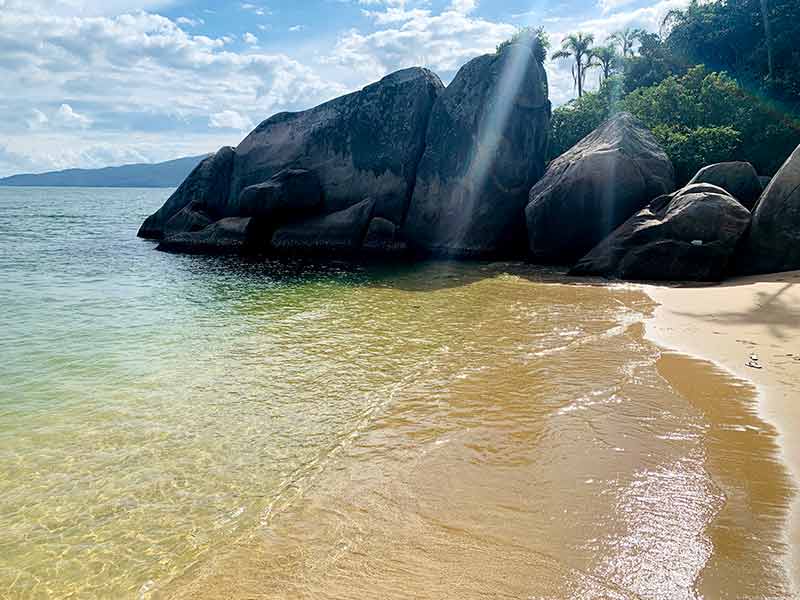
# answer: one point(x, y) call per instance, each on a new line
point(92, 83)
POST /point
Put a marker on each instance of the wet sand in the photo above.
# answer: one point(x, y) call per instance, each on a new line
point(726, 324)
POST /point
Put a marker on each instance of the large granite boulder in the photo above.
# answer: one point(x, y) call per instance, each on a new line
point(339, 232)
point(229, 235)
point(204, 188)
point(690, 235)
point(773, 244)
point(739, 179)
point(485, 148)
point(291, 193)
point(365, 144)
point(595, 187)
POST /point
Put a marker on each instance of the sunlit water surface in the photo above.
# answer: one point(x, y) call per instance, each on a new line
point(178, 426)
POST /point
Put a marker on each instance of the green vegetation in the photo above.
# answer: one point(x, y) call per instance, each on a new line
point(578, 47)
point(720, 82)
point(530, 35)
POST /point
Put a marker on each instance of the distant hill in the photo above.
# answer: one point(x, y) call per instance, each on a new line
point(165, 174)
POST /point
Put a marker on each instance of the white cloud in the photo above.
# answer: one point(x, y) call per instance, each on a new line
point(67, 117)
point(250, 39)
point(648, 17)
point(610, 5)
point(84, 8)
point(189, 22)
point(134, 74)
point(442, 42)
point(37, 120)
point(258, 10)
point(230, 119)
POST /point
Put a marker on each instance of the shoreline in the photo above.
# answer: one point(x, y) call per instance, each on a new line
point(726, 323)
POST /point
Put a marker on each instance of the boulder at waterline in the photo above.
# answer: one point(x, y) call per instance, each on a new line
point(190, 218)
point(364, 144)
point(485, 148)
point(339, 232)
point(228, 235)
point(690, 235)
point(594, 188)
point(367, 143)
point(773, 244)
point(205, 186)
point(383, 237)
point(739, 179)
point(289, 194)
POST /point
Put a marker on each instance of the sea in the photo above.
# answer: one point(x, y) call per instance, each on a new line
point(177, 426)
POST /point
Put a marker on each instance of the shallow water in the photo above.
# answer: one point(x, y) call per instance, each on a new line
point(176, 426)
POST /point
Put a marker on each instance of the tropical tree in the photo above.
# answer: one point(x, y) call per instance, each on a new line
point(606, 59)
point(577, 46)
point(626, 40)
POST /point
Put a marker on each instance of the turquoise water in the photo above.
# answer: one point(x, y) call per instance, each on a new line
point(136, 391)
point(189, 426)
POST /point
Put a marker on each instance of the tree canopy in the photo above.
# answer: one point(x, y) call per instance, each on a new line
point(719, 82)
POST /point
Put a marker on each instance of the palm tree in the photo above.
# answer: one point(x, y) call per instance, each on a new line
point(606, 59)
point(577, 46)
point(626, 39)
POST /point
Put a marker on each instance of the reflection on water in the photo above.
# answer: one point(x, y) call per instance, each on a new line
point(191, 427)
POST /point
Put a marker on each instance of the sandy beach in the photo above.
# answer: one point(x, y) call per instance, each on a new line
point(728, 323)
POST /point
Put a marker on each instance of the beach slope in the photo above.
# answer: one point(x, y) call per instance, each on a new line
point(728, 324)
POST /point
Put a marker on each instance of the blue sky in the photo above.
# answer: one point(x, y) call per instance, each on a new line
point(89, 83)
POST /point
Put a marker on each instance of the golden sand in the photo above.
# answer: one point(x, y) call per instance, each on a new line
point(729, 323)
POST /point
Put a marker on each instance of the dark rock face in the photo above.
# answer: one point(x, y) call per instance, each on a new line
point(323, 160)
point(594, 188)
point(689, 235)
point(365, 144)
point(765, 181)
point(739, 179)
point(228, 235)
point(291, 193)
point(190, 218)
point(383, 237)
point(485, 148)
point(340, 232)
point(204, 187)
point(773, 244)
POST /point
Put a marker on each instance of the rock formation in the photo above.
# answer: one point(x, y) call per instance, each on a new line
point(595, 187)
point(739, 179)
point(773, 244)
point(339, 232)
point(485, 148)
point(438, 170)
point(689, 235)
point(365, 144)
point(205, 189)
point(326, 159)
point(230, 235)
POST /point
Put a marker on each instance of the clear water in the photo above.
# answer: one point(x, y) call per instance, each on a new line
point(179, 426)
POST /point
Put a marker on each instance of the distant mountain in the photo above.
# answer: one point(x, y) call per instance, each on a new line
point(165, 174)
